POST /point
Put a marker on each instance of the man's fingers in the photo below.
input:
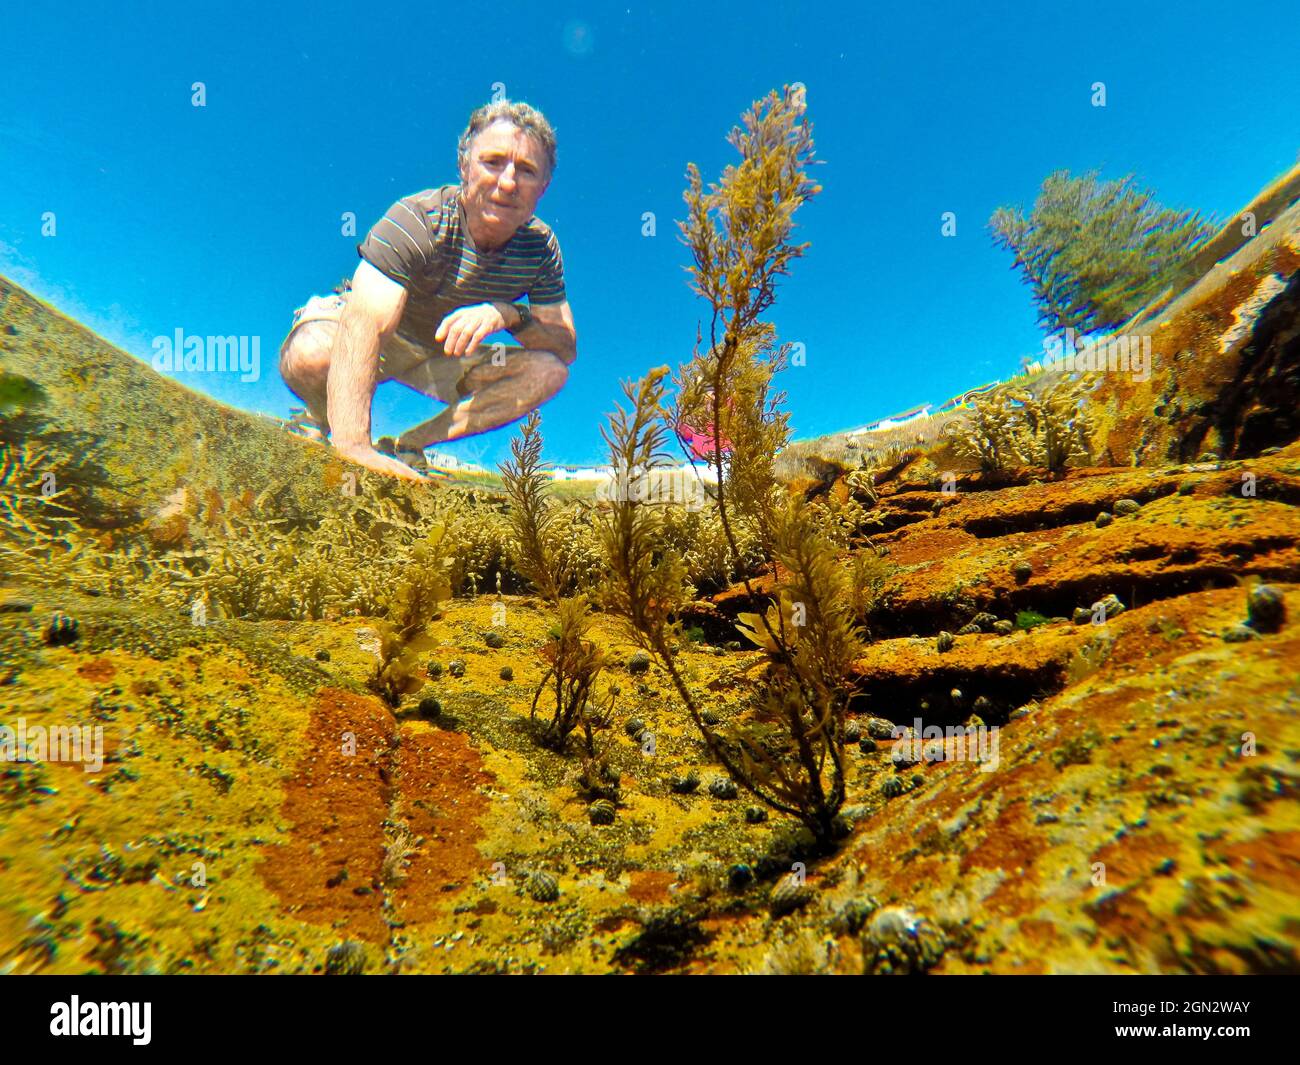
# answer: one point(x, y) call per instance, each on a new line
point(464, 330)
point(453, 344)
point(480, 334)
point(450, 326)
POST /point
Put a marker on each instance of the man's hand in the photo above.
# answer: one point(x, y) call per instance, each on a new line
point(367, 456)
point(465, 328)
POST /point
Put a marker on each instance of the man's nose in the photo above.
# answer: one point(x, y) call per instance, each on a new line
point(508, 175)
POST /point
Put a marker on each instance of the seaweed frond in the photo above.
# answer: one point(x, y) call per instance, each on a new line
point(573, 661)
point(990, 433)
point(573, 664)
point(532, 516)
point(1056, 426)
point(400, 844)
point(397, 673)
point(1016, 426)
point(789, 752)
point(424, 585)
point(647, 578)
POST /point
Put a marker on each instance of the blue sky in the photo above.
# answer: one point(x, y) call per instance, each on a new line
point(223, 219)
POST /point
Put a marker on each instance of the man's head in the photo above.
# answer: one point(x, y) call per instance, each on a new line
point(506, 159)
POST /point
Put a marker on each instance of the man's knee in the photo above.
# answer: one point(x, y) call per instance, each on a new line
point(306, 358)
point(552, 373)
point(536, 375)
point(543, 375)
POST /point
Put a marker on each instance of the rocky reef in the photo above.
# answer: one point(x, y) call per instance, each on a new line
point(1073, 738)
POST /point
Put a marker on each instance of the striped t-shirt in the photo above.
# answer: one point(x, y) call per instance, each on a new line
point(423, 242)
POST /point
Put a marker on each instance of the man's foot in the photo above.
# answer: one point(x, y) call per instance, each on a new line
point(369, 457)
point(413, 457)
point(303, 423)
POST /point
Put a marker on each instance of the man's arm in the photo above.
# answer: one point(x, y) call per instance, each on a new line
point(373, 309)
point(551, 330)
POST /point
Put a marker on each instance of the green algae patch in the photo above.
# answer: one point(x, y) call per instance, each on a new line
point(144, 865)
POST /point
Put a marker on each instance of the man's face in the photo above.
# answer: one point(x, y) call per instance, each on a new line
point(503, 179)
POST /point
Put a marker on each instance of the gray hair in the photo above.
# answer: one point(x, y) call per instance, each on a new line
point(524, 118)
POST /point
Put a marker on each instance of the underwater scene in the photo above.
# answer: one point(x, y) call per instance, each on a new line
point(357, 617)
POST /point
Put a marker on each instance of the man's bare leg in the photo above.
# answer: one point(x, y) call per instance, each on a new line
point(498, 395)
point(305, 368)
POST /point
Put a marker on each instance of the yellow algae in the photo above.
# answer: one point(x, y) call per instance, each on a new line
point(1141, 818)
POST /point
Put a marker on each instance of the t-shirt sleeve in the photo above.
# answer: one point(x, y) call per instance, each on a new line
point(400, 245)
point(548, 286)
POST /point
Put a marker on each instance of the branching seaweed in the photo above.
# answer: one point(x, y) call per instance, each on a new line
point(412, 604)
point(1015, 426)
point(790, 754)
point(573, 662)
point(780, 764)
point(573, 665)
point(739, 236)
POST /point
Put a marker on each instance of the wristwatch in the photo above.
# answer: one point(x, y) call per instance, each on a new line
point(525, 317)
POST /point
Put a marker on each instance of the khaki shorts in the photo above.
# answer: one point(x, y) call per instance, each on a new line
point(426, 369)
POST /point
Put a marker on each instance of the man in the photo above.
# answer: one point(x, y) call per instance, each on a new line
point(441, 272)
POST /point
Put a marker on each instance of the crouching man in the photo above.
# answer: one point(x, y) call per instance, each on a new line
point(442, 271)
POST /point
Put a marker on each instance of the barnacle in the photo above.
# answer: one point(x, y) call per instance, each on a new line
point(899, 942)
